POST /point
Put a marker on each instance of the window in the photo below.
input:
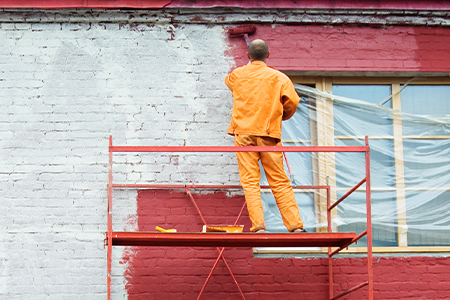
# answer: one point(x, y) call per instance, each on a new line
point(408, 124)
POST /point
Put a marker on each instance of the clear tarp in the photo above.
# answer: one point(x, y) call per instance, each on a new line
point(410, 165)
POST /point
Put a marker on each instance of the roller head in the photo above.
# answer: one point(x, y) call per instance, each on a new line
point(241, 30)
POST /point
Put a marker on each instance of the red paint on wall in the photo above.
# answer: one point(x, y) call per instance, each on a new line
point(333, 4)
point(179, 273)
point(62, 4)
point(340, 48)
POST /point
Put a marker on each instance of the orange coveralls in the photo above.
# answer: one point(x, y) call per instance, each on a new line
point(263, 97)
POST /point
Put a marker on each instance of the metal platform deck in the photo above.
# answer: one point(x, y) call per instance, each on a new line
point(336, 239)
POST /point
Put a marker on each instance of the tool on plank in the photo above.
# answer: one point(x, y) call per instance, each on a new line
point(165, 230)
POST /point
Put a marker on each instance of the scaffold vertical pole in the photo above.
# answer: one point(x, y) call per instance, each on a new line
point(109, 236)
point(330, 258)
point(369, 221)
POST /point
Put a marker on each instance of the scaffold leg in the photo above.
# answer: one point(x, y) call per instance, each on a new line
point(219, 250)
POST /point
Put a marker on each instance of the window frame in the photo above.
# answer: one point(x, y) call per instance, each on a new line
point(321, 135)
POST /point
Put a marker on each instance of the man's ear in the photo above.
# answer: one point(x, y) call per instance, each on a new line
point(267, 54)
point(248, 55)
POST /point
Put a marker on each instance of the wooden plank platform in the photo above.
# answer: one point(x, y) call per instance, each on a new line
point(337, 239)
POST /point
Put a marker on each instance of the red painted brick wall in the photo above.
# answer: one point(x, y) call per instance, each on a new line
point(340, 48)
point(179, 273)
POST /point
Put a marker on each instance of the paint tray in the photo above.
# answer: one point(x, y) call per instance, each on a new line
point(222, 228)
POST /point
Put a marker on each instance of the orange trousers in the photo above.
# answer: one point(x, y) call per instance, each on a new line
point(250, 176)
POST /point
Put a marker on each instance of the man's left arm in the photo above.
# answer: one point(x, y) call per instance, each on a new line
point(289, 100)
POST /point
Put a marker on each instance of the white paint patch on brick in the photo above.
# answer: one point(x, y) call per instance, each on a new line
point(4, 275)
point(64, 88)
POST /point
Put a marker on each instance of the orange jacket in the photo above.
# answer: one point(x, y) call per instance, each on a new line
point(263, 97)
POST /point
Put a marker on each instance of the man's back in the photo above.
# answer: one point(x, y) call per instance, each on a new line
point(263, 97)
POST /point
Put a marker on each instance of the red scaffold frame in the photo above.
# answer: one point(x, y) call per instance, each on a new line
point(328, 239)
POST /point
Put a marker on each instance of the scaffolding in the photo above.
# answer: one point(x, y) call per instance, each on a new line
point(330, 239)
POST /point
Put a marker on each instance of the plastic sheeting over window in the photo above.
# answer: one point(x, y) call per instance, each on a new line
point(410, 162)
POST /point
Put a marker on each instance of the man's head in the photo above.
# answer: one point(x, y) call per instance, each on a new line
point(258, 50)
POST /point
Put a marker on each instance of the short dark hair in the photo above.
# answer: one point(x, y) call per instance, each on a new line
point(258, 50)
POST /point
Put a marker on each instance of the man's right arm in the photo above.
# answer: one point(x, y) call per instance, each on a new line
point(289, 99)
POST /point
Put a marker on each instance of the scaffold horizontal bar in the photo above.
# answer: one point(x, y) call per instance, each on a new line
point(239, 149)
point(335, 239)
point(181, 186)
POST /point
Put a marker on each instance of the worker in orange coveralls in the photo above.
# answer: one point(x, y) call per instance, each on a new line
point(263, 97)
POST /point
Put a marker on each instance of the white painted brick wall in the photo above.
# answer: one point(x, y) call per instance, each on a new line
point(64, 88)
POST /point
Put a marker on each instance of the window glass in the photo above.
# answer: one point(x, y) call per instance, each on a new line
point(350, 167)
point(427, 180)
point(360, 119)
point(426, 99)
point(370, 93)
point(432, 101)
point(352, 217)
point(426, 163)
point(296, 132)
point(427, 218)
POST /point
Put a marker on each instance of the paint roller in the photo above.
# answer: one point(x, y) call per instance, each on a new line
point(242, 31)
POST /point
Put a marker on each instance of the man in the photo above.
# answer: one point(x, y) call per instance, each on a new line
point(263, 97)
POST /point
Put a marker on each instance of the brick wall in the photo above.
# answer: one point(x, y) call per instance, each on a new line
point(65, 86)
